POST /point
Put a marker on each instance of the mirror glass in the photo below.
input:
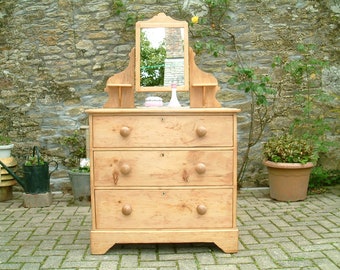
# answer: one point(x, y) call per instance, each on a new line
point(161, 54)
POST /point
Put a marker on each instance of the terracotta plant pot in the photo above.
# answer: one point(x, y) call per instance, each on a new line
point(288, 181)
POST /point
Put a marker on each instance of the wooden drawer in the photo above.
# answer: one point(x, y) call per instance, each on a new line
point(162, 131)
point(163, 208)
point(162, 167)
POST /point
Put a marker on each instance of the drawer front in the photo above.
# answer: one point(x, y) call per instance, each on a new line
point(163, 209)
point(162, 168)
point(162, 131)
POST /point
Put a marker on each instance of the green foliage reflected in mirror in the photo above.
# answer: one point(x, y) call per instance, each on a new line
point(152, 55)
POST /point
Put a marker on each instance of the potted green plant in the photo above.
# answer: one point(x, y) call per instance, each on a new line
point(289, 161)
point(5, 146)
point(79, 165)
point(307, 124)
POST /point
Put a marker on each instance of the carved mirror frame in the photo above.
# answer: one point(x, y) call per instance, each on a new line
point(161, 21)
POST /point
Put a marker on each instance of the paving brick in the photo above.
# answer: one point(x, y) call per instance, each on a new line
point(108, 266)
point(289, 247)
point(205, 258)
point(300, 240)
point(80, 265)
point(308, 255)
point(50, 252)
point(332, 255)
point(234, 260)
point(23, 236)
point(219, 267)
point(319, 247)
point(25, 250)
point(261, 246)
point(137, 268)
point(248, 267)
point(148, 255)
point(270, 228)
point(27, 259)
point(194, 248)
point(258, 233)
point(296, 262)
point(157, 264)
point(325, 263)
point(290, 234)
point(47, 244)
point(30, 266)
point(15, 266)
point(129, 261)
point(187, 265)
point(265, 262)
point(247, 253)
point(277, 254)
point(310, 234)
point(172, 257)
point(248, 240)
point(5, 255)
point(52, 262)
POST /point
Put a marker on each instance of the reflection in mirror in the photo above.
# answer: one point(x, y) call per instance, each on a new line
point(161, 54)
point(152, 56)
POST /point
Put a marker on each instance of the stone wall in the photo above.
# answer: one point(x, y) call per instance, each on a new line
point(56, 56)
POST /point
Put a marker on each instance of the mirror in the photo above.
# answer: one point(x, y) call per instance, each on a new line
point(161, 54)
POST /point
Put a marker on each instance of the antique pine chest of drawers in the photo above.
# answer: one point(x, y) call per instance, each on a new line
point(163, 176)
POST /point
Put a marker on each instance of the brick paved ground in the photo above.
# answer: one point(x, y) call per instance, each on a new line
point(273, 235)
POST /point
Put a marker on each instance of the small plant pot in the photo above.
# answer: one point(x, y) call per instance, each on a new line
point(288, 181)
point(5, 150)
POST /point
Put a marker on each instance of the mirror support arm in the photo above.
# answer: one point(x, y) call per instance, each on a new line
point(120, 87)
point(203, 86)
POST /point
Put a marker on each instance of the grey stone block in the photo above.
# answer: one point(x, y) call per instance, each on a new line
point(37, 200)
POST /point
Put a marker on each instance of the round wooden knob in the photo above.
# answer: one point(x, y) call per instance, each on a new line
point(125, 169)
point(201, 209)
point(200, 168)
point(201, 131)
point(125, 131)
point(127, 209)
